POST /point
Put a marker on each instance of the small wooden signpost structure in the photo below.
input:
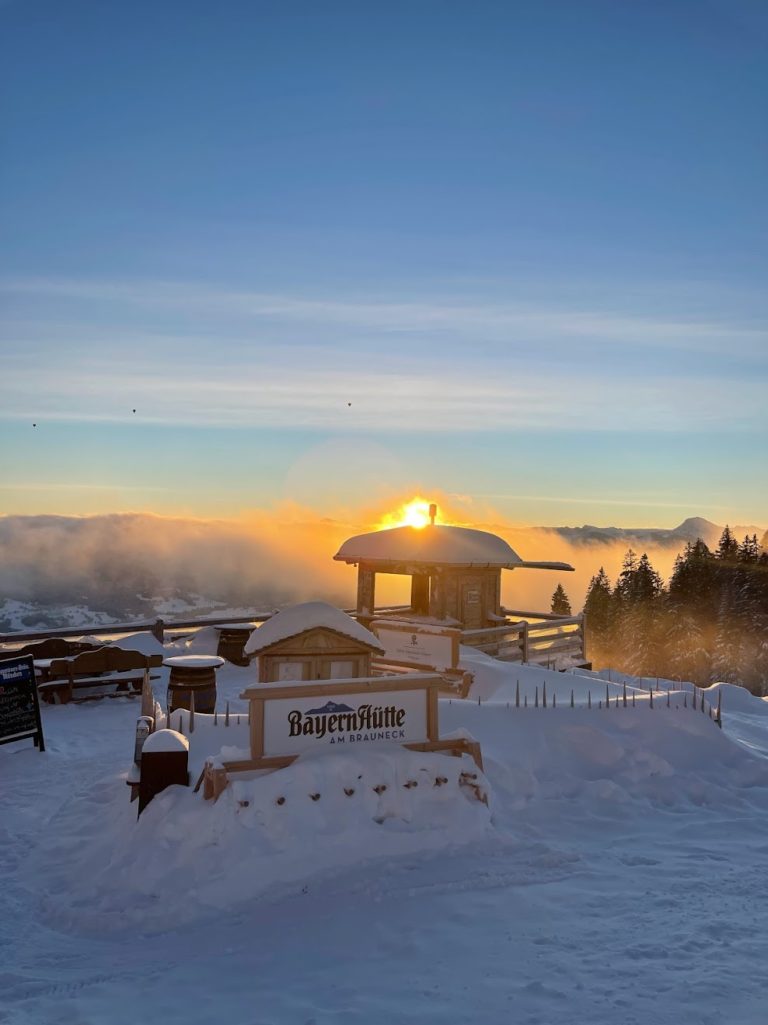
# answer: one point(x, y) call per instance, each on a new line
point(19, 703)
point(287, 721)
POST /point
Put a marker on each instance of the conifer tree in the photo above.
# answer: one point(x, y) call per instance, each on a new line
point(561, 606)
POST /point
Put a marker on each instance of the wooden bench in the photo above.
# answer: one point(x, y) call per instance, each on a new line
point(103, 667)
point(55, 647)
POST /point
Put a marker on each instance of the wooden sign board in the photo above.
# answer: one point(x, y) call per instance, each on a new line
point(410, 644)
point(342, 715)
point(19, 704)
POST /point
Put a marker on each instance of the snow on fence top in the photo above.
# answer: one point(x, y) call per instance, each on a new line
point(451, 546)
point(308, 616)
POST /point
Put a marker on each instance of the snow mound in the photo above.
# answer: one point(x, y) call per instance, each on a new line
point(144, 641)
point(186, 856)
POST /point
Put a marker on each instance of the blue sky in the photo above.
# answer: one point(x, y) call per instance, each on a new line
point(526, 242)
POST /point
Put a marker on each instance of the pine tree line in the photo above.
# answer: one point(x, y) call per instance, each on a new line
point(710, 623)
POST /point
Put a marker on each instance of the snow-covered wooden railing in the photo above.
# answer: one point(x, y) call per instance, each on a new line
point(158, 627)
point(543, 642)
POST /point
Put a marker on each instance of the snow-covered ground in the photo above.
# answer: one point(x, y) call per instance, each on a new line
point(617, 876)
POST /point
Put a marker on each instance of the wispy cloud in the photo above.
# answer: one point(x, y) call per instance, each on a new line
point(178, 353)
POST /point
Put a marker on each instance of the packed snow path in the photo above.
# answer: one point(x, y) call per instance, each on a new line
point(622, 883)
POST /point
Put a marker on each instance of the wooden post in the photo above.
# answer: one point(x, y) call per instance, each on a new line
point(589, 699)
point(650, 697)
point(625, 694)
point(633, 699)
point(544, 694)
point(554, 699)
point(536, 698)
point(226, 715)
point(147, 697)
point(526, 701)
point(191, 712)
point(584, 636)
point(719, 717)
point(158, 631)
point(571, 697)
point(694, 697)
point(525, 642)
point(607, 697)
point(517, 694)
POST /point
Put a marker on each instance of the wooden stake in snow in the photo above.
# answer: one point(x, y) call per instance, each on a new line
point(571, 697)
point(536, 698)
point(215, 717)
point(694, 698)
point(650, 697)
point(226, 715)
point(600, 703)
point(147, 697)
point(633, 699)
point(181, 724)
point(667, 695)
point(544, 694)
point(517, 694)
point(191, 712)
point(589, 699)
point(607, 698)
point(554, 700)
point(719, 716)
point(526, 701)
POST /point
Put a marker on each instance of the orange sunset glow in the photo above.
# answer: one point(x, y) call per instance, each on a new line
point(414, 513)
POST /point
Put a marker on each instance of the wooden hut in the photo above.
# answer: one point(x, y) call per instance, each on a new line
point(455, 571)
point(312, 641)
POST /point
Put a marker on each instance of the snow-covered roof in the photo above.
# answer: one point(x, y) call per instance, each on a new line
point(308, 616)
point(436, 544)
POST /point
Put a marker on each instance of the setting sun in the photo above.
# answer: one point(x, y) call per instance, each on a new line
point(411, 514)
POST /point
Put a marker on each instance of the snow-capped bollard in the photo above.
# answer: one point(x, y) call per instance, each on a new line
point(164, 762)
point(144, 726)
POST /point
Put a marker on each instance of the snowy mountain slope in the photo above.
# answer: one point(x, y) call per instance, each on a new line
point(616, 883)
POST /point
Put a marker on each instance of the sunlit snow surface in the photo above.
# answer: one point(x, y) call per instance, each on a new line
point(618, 879)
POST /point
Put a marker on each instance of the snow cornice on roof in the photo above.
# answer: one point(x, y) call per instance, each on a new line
point(436, 545)
point(308, 615)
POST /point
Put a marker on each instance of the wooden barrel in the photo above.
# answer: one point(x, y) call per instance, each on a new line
point(232, 640)
point(184, 681)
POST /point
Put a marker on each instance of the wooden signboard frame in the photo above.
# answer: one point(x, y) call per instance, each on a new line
point(18, 685)
point(398, 626)
point(216, 779)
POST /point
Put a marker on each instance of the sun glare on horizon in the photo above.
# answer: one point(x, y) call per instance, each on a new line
point(410, 514)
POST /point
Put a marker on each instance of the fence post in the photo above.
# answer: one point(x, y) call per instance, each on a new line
point(544, 694)
point(525, 642)
point(719, 717)
point(158, 630)
point(517, 694)
point(624, 694)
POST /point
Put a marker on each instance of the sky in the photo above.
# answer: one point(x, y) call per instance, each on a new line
point(335, 254)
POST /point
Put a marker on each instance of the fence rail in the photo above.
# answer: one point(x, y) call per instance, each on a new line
point(541, 643)
point(158, 627)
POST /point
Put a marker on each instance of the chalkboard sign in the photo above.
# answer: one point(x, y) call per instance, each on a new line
point(19, 705)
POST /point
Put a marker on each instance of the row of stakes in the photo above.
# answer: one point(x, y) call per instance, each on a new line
point(624, 700)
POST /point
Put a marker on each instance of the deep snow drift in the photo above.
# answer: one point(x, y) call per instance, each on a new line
point(616, 876)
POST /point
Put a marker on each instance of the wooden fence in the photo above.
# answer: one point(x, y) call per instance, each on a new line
point(158, 627)
point(542, 643)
